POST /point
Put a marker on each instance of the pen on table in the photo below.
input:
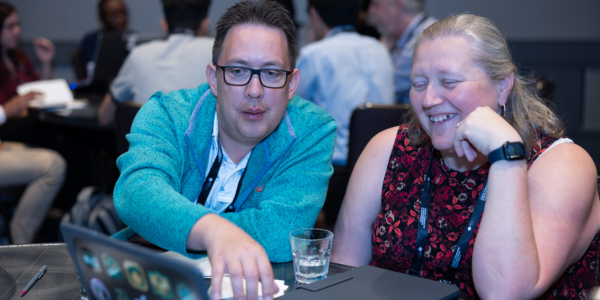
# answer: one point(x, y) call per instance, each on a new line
point(37, 276)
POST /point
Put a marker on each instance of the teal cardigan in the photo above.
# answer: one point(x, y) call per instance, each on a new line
point(283, 189)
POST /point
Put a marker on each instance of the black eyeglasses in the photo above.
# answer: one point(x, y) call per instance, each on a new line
point(269, 78)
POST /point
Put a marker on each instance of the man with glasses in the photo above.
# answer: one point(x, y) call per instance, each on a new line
point(232, 166)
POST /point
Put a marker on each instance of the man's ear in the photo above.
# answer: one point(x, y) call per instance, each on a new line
point(164, 26)
point(505, 85)
point(294, 82)
point(211, 76)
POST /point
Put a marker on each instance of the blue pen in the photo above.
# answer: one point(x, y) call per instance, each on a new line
point(37, 276)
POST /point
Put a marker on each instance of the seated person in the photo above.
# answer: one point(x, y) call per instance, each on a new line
point(234, 165)
point(478, 135)
point(113, 16)
point(340, 72)
point(400, 22)
point(175, 63)
point(41, 170)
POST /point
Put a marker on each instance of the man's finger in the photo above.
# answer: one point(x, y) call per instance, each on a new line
point(216, 278)
point(269, 288)
point(236, 276)
point(252, 277)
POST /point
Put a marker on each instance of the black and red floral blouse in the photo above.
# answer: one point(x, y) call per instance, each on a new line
point(453, 198)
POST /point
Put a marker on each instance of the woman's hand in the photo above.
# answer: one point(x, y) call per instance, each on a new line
point(483, 130)
point(16, 107)
point(44, 50)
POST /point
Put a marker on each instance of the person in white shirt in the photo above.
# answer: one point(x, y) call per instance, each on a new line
point(175, 63)
point(340, 72)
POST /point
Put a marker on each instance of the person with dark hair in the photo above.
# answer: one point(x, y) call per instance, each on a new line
point(400, 22)
point(480, 188)
point(234, 165)
point(166, 65)
point(41, 170)
point(340, 72)
point(113, 17)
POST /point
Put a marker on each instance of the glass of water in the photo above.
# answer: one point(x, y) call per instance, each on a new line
point(311, 248)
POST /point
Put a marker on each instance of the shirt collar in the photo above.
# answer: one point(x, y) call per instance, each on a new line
point(215, 142)
point(338, 29)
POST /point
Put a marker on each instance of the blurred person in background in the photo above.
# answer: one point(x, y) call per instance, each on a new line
point(166, 65)
point(341, 71)
point(41, 170)
point(114, 18)
point(400, 22)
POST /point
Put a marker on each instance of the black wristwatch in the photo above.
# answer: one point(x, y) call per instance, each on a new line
point(508, 151)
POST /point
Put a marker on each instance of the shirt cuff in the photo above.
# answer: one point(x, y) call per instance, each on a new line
point(2, 115)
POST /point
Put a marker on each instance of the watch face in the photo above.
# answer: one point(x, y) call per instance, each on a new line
point(515, 151)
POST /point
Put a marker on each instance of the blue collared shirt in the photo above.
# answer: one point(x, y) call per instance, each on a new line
point(229, 176)
point(341, 72)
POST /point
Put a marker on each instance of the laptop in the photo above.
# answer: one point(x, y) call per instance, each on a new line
point(111, 269)
point(111, 55)
point(373, 283)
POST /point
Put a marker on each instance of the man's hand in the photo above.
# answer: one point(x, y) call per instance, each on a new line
point(16, 107)
point(231, 249)
point(44, 50)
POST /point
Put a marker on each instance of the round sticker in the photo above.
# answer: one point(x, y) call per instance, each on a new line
point(99, 289)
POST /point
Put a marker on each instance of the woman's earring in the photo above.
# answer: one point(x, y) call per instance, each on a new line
point(503, 106)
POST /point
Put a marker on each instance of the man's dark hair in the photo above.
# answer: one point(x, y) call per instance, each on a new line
point(337, 12)
point(264, 12)
point(187, 14)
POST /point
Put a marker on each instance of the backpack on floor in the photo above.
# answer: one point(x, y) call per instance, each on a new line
point(95, 210)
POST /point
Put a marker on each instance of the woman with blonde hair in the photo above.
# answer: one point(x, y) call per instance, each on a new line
point(478, 137)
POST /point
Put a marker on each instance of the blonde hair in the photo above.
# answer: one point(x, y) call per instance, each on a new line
point(525, 110)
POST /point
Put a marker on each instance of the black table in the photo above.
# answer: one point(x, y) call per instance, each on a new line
point(18, 264)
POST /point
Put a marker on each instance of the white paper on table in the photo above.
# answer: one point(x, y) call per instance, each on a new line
point(56, 92)
point(227, 291)
point(203, 263)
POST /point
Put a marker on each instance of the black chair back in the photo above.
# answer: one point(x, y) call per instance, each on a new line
point(124, 116)
point(367, 121)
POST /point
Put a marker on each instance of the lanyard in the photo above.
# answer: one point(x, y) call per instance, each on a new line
point(463, 242)
point(212, 177)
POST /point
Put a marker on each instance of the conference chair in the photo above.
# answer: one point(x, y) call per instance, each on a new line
point(367, 121)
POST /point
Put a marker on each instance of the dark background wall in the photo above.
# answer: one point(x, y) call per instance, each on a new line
point(518, 19)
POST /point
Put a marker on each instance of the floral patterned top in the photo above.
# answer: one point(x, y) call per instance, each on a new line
point(453, 198)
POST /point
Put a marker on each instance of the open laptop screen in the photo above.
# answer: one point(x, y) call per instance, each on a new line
point(110, 269)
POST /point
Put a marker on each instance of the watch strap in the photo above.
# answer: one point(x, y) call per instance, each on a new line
point(508, 151)
point(496, 155)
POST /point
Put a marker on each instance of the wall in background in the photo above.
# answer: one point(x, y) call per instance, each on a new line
point(531, 20)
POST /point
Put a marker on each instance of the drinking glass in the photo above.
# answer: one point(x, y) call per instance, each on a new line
point(311, 249)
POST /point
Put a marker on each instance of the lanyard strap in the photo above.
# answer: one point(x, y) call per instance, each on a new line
point(211, 178)
point(422, 233)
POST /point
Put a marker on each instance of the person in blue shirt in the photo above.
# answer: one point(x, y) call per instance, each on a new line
point(233, 166)
point(400, 22)
point(340, 72)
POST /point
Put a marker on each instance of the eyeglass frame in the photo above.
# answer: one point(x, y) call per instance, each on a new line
point(252, 73)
